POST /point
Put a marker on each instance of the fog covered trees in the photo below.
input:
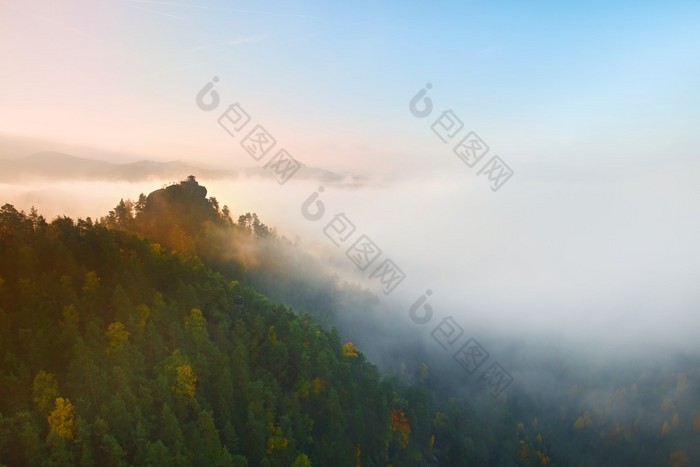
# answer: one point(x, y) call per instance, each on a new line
point(116, 351)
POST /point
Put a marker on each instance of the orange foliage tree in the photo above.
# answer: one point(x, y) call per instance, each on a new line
point(400, 427)
point(678, 459)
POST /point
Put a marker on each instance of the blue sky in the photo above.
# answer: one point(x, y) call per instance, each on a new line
point(335, 78)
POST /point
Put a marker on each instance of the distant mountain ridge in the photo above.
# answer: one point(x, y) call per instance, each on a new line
point(53, 165)
point(57, 165)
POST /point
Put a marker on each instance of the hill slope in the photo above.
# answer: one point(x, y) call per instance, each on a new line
point(143, 339)
point(117, 351)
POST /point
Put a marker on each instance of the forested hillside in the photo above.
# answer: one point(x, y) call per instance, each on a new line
point(143, 338)
point(120, 351)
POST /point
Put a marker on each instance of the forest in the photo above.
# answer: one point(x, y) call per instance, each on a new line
point(170, 332)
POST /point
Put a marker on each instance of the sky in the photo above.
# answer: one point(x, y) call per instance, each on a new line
point(332, 80)
point(593, 105)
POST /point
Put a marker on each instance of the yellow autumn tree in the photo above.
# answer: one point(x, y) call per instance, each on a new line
point(61, 418)
point(116, 336)
point(542, 457)
point(583, 421)
point(276, 441)
point(317, 384)
point(349, 350)
point(185, 381)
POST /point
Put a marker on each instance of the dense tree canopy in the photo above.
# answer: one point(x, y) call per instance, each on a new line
point(116, 350)
point(143, 339)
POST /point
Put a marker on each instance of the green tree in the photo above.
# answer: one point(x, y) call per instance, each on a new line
point(45, 391)
point(302, 460)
